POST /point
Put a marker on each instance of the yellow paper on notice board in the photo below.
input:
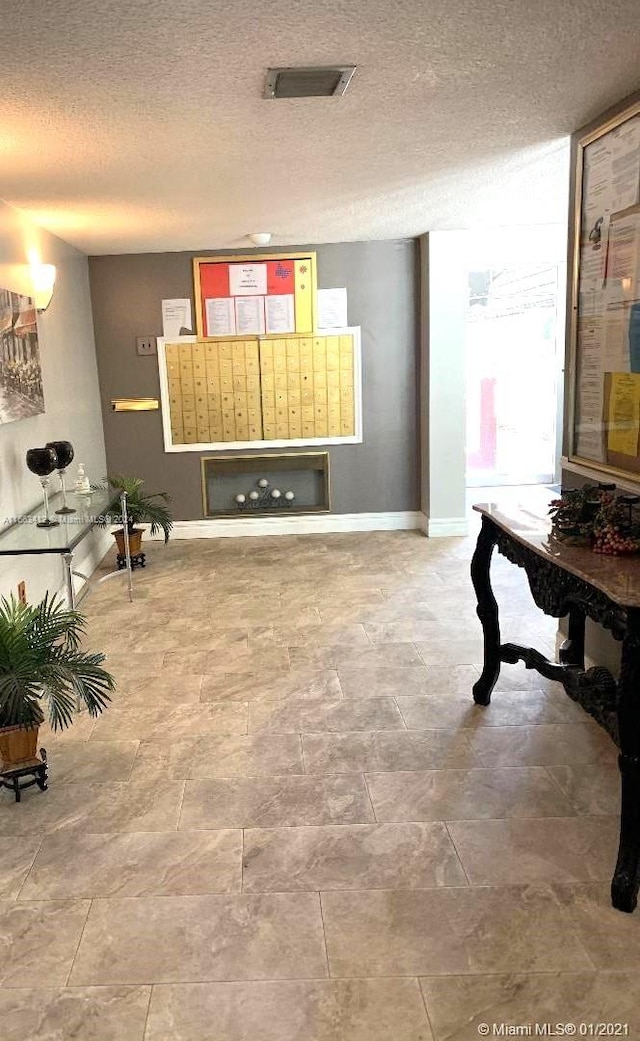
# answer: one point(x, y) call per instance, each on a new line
point(624, 413)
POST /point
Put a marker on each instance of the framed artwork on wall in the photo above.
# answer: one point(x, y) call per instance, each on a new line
point(261, 294)
point(20, 371)
point(603, 324)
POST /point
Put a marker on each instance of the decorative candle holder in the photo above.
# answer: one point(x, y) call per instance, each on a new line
point(42, 462)
point(64, 452)
point(264, 498)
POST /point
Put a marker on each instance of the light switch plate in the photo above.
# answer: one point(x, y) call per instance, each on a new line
point(146, 345)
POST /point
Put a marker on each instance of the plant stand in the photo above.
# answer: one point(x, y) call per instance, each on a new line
point(36, 769)
point(137, 560)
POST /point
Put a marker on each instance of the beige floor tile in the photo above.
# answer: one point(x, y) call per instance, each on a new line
point(200, 638)
point(506, 709)
point(16, 857)
point(611, 938)
point(458, 1005)
point(542, 745)
point(124, 663)
point(38, 941)
point(158, 689)
point(80, 730)
point(300, 1010)
point(296, 717)
point(300, 636)
point(157, 722)
point(591, 789)
point(401, 655)
point(509, 852)
point(448, 650)
point(201, 938)
point(474, 794)
point(412, 681)
point(271, 802)
point(85, 1013)
point(517, 677)
point(407, 631)
point(282, 686)
point(359, 856)
point(199, 662)
point(96, 808)
point(382, 751)
point(78, 762)
point(449, 931)
point(254, 755)
point(384, 613)
point(135, 864)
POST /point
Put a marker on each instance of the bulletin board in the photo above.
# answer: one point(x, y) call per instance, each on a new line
point(261, 392)
point(260, 294)
point(603, 372)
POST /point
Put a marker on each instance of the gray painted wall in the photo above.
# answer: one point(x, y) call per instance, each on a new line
point(382, 283)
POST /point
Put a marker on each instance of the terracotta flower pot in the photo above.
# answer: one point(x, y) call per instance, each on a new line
point(17, 745)
point(135, 541)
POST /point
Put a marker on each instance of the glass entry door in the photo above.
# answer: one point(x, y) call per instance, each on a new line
point(512, 344)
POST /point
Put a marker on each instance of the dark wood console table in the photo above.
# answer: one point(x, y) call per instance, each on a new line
point(571, 580)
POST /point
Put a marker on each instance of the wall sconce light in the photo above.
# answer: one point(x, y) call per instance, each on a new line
point(134, 404)
point(43, 278)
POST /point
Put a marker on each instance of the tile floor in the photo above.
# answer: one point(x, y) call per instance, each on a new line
point(294, 825)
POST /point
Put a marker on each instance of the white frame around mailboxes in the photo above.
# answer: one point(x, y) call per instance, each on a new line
point(294, 442)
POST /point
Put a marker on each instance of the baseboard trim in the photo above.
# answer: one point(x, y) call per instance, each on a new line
point(299, 524)
point(442, 527)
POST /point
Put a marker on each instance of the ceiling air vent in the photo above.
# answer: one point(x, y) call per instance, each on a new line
point(323, 81)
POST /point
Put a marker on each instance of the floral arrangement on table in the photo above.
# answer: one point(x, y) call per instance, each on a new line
point(595, 516)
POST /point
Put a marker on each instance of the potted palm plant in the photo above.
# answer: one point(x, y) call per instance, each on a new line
point(142, 508)
point(41, 662)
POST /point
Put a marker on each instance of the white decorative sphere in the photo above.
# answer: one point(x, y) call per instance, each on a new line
point(276, 493)
point(263, 483)
point(289, 496)
point(241, 498)
point(253, 495)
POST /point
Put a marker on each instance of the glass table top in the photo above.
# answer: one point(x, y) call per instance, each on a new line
point(24, 536)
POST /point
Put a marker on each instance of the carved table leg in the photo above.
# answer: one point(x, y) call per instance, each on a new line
point(624, 887)
point(572, 650)
point(487, 611)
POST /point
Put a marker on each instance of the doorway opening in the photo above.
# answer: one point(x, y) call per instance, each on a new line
point(514, 336)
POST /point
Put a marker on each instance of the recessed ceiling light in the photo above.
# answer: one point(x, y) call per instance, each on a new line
point(322, 81)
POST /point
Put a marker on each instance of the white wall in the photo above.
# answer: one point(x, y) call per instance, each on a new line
point(443, 269)
point(72, 404)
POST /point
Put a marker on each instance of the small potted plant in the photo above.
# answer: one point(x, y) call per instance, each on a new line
point(142, 508)
point(41, 662)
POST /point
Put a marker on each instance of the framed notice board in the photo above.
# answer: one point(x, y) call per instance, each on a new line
point(261, 391)
point(603, 371)
point(260, 294)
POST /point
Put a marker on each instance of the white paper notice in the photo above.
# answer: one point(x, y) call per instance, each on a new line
point(249, 315)
point(280, 314)
point(176, 318)
point(590, 396)
point(332, 308)
point(221, 316)
point(248, 279)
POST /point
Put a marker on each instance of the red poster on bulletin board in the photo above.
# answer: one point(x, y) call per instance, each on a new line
point(255, 295)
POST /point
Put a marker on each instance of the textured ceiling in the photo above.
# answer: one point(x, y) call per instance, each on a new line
point(139, 126)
